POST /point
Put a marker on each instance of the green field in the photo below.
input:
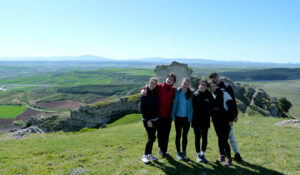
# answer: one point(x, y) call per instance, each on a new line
point(11, 111)
point(75, 78)
point(267, 149)
point(289, 89)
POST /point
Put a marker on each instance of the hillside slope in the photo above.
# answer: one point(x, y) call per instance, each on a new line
point(267, 149)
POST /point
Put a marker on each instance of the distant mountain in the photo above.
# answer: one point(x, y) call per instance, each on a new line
point(154, 61)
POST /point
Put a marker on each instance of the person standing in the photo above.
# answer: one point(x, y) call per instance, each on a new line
point(166, 93)
point(202, 105)
point(149, 110)
point(222, 117)
point(215, 78)
point(182, 112)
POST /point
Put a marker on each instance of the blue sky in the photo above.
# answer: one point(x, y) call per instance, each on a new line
point(244, 30)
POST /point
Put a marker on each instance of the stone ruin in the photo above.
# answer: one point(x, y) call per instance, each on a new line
point(181, 70)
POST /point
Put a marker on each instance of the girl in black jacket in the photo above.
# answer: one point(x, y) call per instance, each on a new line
point(222, 117)
point(149, 110)
point(202, 105)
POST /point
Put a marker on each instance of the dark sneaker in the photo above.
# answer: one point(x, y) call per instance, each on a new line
point(184, 156)
point(203, 159)
point(152, 158)
point(238, 158)
point(163, 154)
point(221, 158)
point(228, 162)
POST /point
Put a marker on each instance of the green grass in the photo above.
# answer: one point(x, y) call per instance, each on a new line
point(266, 148)
point(288, 88)
point(11, 111)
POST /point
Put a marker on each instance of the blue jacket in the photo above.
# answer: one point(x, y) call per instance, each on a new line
point(181, 106)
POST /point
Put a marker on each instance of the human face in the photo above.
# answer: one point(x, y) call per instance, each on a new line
point(170, 80)
point(213, 87)
point(216, 79)
point(202, 87)
point(185, 84)
point(152, 84)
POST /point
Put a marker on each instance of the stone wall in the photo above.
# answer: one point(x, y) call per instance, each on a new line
point(181, 70)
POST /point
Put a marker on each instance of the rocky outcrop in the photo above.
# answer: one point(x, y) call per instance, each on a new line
point(289, 123)
point(91, 116)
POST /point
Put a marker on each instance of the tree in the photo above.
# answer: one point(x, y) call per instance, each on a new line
point(284, 104)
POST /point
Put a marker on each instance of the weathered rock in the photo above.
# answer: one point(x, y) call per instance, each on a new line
point(25, 132)
point(91, 116)
point(290, 123)
point(181, 70)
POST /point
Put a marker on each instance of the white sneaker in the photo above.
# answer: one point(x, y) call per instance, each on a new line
point(198, 158)
point(179, 157)
point(145, 159)
point(152, 158)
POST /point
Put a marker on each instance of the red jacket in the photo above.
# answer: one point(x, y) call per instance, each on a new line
point(166, 96)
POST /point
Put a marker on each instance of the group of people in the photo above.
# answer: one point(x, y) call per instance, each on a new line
point(213, 101)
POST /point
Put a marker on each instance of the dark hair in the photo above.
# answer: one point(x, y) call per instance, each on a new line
point(203, 81)
point(173, 76)
point(212, 75)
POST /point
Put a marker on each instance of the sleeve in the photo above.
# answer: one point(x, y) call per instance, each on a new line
point(230, 110)
point(194, 104)
point(174, 108)
point(191, 111)
point(231, 93)
point(143, 107)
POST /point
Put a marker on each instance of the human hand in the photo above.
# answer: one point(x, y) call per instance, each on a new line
point(144, 92)
point(235, 119)
point(149, 123)
point(230, 123)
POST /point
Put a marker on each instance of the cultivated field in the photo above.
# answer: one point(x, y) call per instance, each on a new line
point(11, 111)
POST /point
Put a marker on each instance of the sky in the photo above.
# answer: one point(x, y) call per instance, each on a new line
point(240, 30)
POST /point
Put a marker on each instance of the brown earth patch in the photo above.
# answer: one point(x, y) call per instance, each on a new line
point(62, 104)
point(25, 116)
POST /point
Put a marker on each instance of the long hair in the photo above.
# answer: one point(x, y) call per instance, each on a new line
point(188, 93)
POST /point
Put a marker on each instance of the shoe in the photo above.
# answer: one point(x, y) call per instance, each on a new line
point(221, 158)
point(179, 156)
point(184, 156)
point(199, 158)
point(164, 154)
point(203, 159)
point(145, 159)
point(228, 162)
point(152, 158)
point(238, 158)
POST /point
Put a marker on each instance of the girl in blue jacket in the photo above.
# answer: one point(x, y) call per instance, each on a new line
point(182, 112)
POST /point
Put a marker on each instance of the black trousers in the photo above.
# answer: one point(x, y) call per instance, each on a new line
point(200, 132)
point(151, 136)
point(222, 131)
point(163, 132)
point(181, 124)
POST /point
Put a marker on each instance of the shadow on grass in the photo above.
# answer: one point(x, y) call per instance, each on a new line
point(192, 167)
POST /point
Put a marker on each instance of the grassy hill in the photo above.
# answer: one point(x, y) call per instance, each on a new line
point(266, 148)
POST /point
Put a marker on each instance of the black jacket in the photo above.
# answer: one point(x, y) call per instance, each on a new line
point(202, 105)
point(229, 89)
point(149, 105)
point(219, 114)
